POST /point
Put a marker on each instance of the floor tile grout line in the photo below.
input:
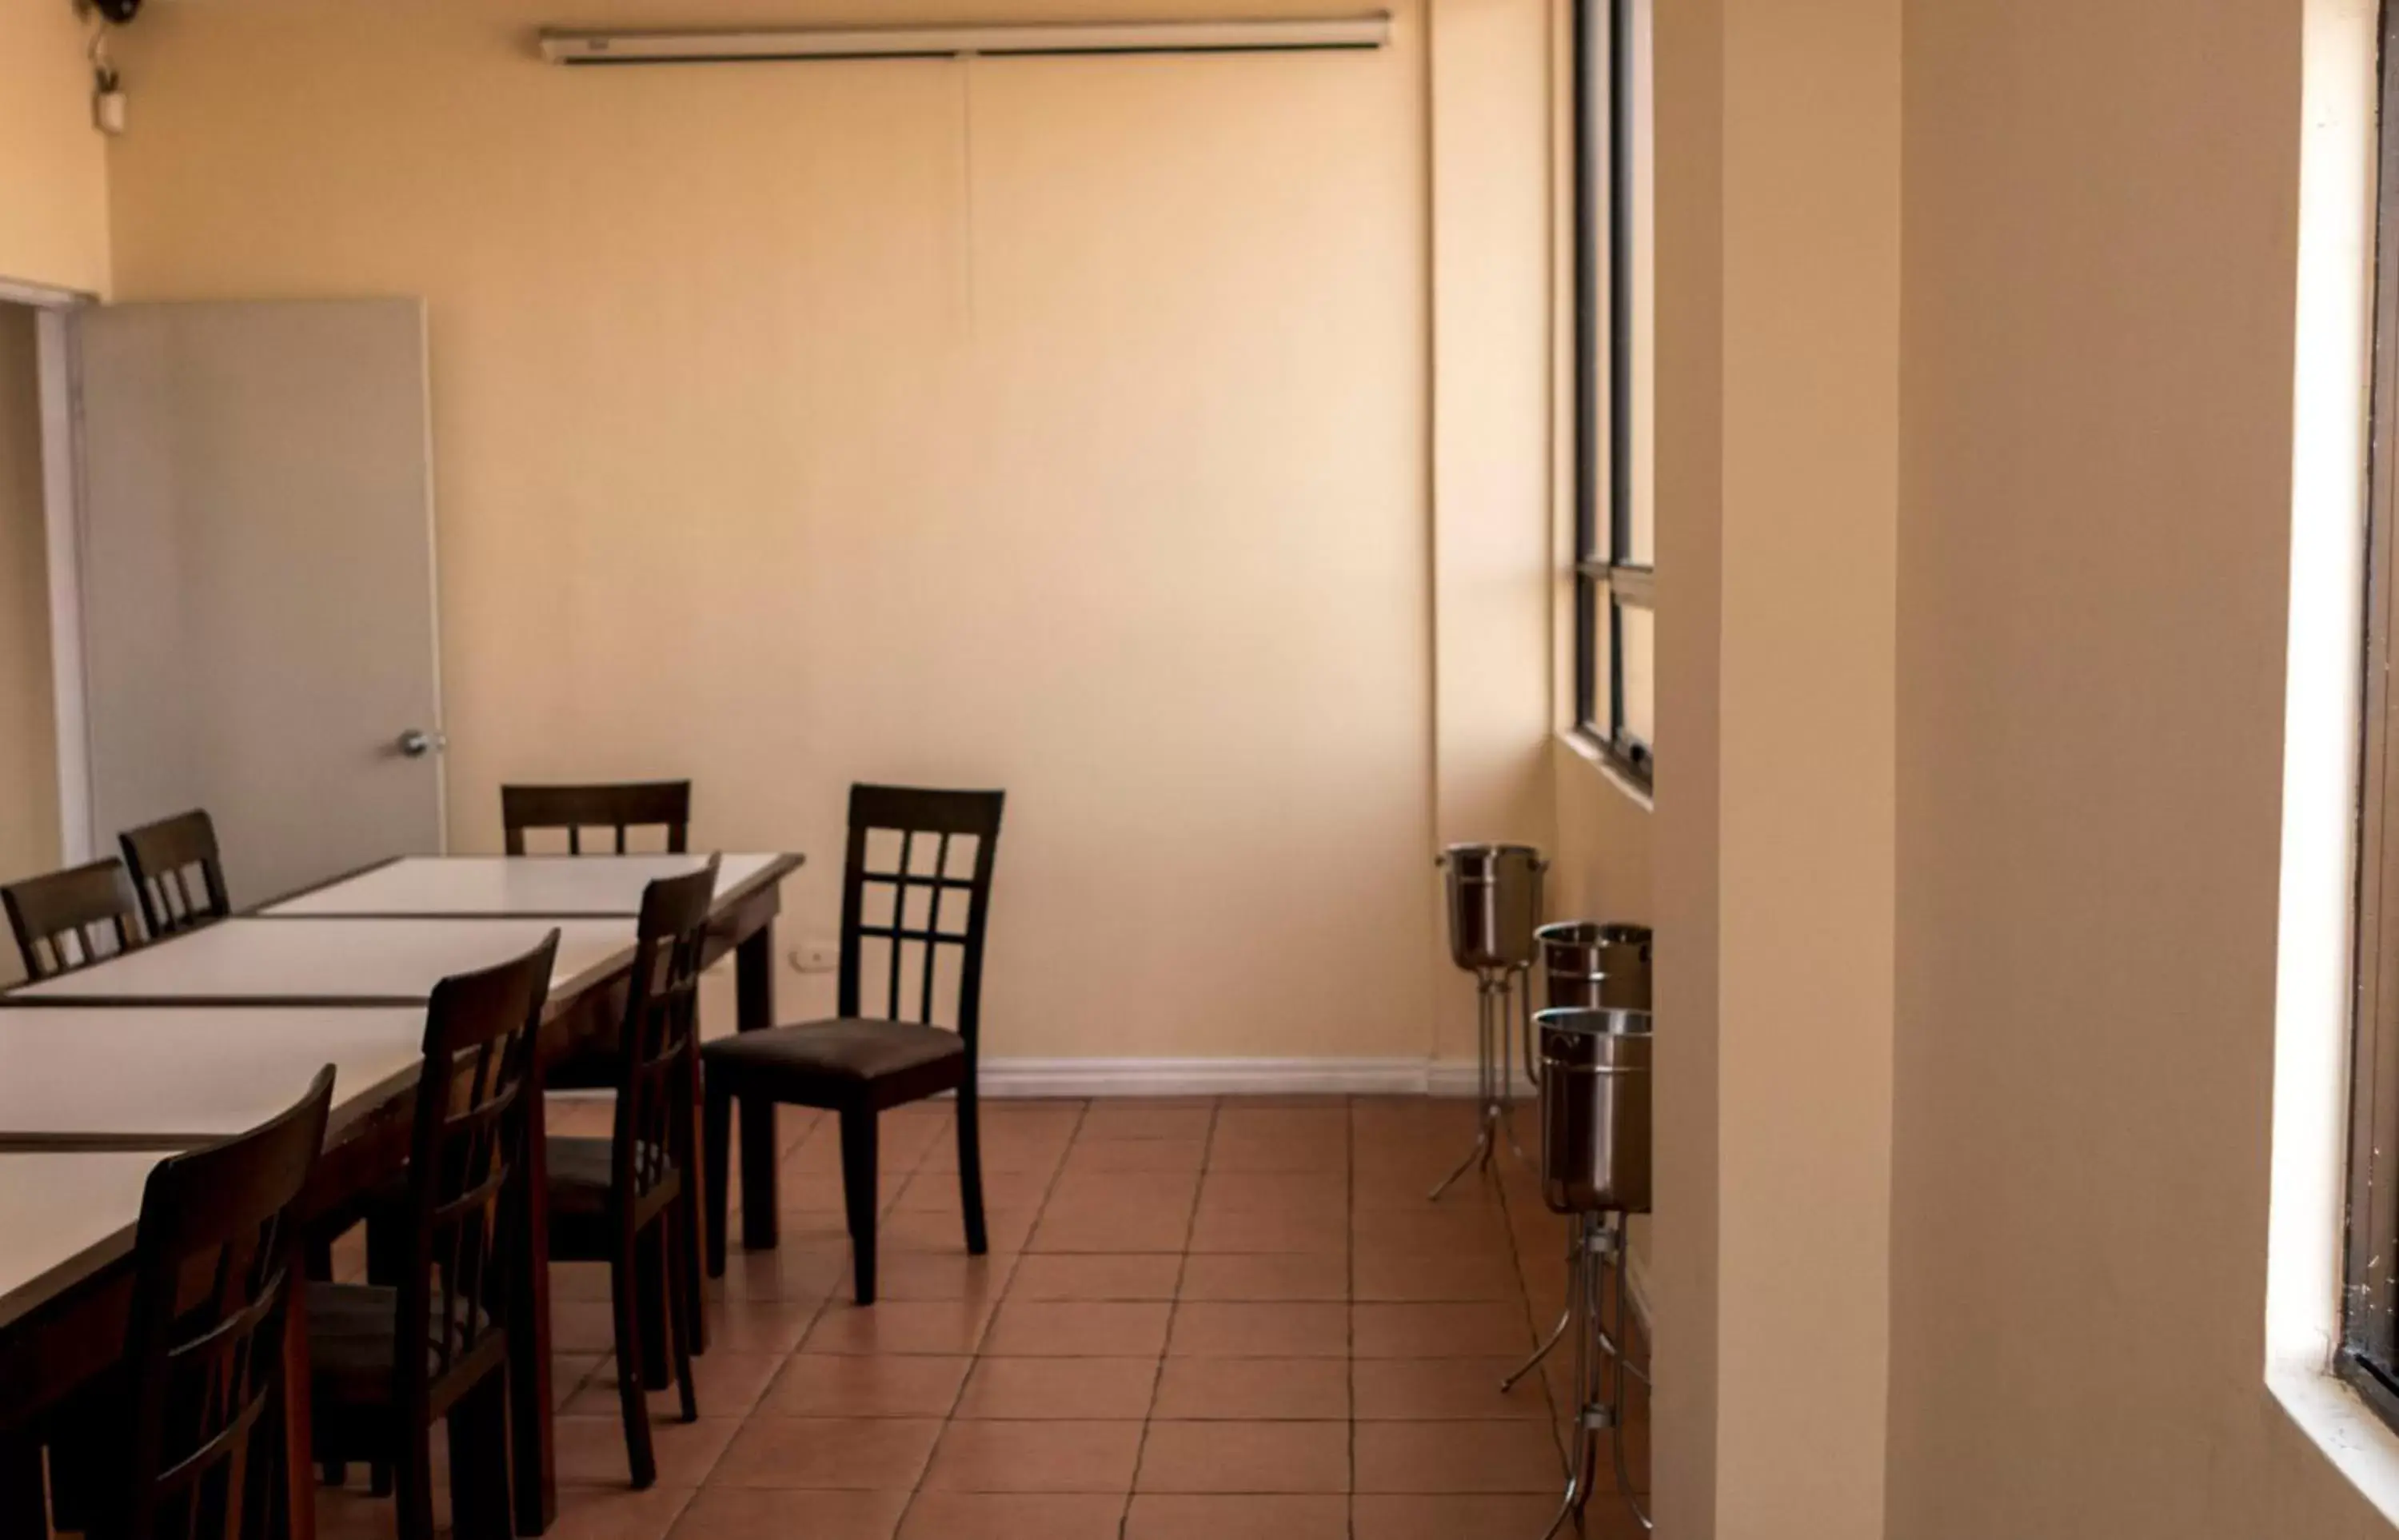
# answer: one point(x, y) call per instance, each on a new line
point(1173, 1308)
point(1349, 1250)
point(974, 1357)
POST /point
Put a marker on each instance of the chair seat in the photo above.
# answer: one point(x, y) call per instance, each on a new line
point(578, 1175)
point(581, 1228)
point(351, 1351)
point(836, 1060)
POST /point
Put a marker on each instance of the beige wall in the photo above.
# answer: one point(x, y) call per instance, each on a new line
point(1491, 173)
point(1811, 168)
point(29, 775)
point(1055, 424)
point(1602, 870)
point(1769, 855)
point(1683, 1272)
point(2101, 207)
point(53, 171)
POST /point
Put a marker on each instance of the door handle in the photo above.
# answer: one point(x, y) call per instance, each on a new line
point(415, 743)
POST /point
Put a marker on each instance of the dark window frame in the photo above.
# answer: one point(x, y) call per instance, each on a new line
point(2368, 1358)
point(1604, 584)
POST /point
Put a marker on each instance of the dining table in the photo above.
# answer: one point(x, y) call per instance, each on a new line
point(107, 1070)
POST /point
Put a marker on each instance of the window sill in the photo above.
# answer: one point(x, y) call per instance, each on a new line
point(2330, 1415)
point(1589, 753)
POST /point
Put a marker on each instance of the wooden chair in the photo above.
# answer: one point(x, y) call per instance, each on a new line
point(392, 1360)
point(858, 1066)
point(623, 806)
point(204, 1376)
point(72, 919)
point(184, 1439)
point(168, 861)
point(626, 1200)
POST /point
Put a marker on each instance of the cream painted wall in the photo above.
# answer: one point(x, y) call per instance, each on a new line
point(1684, 1286)
point(29, 774)
point(1055, 424)
point(2101, 207)
point(1771, 845)
point(1492, 132)
point(1602, 869)
point(53, 167)
point(1811, 241)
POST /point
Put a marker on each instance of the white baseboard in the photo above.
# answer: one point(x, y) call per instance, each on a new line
point(1208, 1077)
point(1220, 1077)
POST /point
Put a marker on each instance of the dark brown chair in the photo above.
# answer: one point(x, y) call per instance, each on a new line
point(177, 873)
point(625, 1199)
point(72, 919)
point(185, 1438)
point(392, 1360)
point(858, 1066)
point(623, 806)
point(204, 1375)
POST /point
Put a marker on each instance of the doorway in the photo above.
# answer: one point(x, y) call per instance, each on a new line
point(29, 784)
point(216, 582)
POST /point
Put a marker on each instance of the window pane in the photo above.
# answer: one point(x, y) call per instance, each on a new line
point(1636, 229)
point(1599, 719)
point(1639, 629)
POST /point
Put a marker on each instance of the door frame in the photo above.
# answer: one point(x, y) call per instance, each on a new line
point(55, 312)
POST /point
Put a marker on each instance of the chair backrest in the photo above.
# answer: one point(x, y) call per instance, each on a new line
point(659, 1050)
point(465, 1178)
point(202, 1371)
point(72, 919)
point(625, 806)
point(934, 929)
point(177, 873)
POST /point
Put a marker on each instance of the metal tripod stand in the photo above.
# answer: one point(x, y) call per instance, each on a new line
point(1500, 994)
point(1595, 1169)
point(1495, 901)
point(1602, 1366)
point(1590, 965)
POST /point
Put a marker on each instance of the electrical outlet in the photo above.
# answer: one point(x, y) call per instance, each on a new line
point(817, 954)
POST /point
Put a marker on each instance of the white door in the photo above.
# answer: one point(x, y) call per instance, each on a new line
point(257, 581)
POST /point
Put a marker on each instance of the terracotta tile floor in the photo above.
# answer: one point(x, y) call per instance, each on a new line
point(1200, 1318)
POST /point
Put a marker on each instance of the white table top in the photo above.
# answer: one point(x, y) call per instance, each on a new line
point(64, 1215)
point(376, 961)
point(535, 885)
point(170, 1074)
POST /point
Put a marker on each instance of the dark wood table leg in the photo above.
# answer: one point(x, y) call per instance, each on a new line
point(299, 1495)
point(24, 1505)
point(753, 976)
point(533, 1440)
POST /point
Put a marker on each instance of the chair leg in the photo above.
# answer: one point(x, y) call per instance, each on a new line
point(630, 1399)
point(650, 1248)
point(970, 1165)
point(478, 1464)
point(683, 1296)
point(717, 1135)
point(23, 1508)
point(691, 1327)
point(760, 1150)
point(862, 1194)
point(413, 1483)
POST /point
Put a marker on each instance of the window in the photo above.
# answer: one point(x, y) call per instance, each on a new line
point(2369, 1351)
point(1615, 601)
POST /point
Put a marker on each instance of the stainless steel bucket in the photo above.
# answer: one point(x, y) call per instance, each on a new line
point(1591, 965)
point(1495, 901)
point(1595, 1110)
